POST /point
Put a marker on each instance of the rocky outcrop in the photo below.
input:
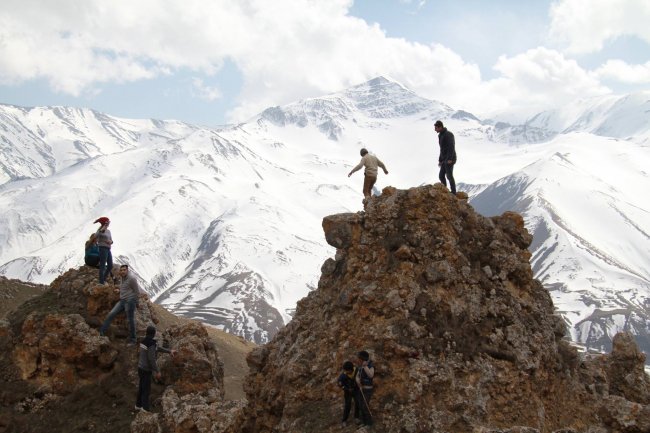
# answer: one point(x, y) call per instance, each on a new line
point(463, 338)
point(51, 354)
point(196, 368)
point(61, 352)
point(194, 413)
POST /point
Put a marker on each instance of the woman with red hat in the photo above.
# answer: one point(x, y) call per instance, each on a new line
point(104, 241)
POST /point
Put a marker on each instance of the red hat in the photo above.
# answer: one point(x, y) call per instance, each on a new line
point(102, 220)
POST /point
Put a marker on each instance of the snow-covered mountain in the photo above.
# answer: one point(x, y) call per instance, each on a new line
point(224, 224)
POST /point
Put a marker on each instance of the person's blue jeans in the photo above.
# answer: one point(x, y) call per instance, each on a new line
point(105, 263)
point(127, 306)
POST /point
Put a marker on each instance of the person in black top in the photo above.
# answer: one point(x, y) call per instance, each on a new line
point(363, 377)
point(347, 384)
point(147, 366)
point(447, 157)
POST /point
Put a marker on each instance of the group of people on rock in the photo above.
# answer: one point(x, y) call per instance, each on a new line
point(98, 254)
point(446, 162)
point(356, 383)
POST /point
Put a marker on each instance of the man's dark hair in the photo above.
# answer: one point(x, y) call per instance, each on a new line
point(348, 366)
point(363, 151)
point(363, 355)
point(124, 266)
point(439, 123)
point(151, 331)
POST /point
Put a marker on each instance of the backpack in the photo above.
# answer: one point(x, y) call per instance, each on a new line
point(91, 252)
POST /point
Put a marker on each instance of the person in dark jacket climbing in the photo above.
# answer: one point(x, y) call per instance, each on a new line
point(147, 366)
point(447, 158)
point(348, 385)
point(91, 256)
point(363, 377)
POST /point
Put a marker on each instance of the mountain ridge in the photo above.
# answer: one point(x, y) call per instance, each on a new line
point(198, 210)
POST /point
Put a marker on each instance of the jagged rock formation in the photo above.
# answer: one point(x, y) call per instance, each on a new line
point(58, 374)
point(463, 337)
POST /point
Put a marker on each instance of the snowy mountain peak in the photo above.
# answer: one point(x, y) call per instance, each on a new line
point(363, 104)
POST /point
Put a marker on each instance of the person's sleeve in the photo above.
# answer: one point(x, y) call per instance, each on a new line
point(452, 147)
point(358, 167)
point(151, 356)
point(381, 164)
point(163, 350)
point(135, 286)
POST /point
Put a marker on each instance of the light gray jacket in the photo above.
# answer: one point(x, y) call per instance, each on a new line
point(129, 288)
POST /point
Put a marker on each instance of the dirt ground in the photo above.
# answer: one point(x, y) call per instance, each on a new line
point(106, 405)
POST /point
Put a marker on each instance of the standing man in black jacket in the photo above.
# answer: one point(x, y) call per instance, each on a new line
point(447, 157)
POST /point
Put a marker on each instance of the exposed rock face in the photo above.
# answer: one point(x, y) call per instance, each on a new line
point(193, 413)
point(196, 368)
point(463, 338)
point(50, 351)
point(61, 352)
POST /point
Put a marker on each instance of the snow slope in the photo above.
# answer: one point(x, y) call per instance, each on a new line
point(224, 224)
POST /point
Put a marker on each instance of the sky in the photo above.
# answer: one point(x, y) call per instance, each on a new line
point(214, 62)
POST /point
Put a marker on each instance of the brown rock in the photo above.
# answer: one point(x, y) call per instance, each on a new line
point(463, 338)
point(146, 422)
point(196, 368)
point(61, 351)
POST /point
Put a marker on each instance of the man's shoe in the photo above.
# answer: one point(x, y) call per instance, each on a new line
point(137, 407)
point(130, 343)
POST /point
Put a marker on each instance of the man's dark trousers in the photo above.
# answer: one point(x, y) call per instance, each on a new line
point(447, 169)
point(347, 404)
point(144, 389)
point(362, 401)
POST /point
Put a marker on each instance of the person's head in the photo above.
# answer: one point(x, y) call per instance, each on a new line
point(363, 356)
point(151, 331)
point(363, 152)
point(124, 270)
point(348, 366)
point(438, 126)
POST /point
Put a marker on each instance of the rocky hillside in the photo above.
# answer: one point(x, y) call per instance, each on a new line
point(14, 292)
point(58, 374)
point(463, 338)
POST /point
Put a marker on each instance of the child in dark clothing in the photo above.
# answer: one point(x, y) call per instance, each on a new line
point(147, 366)
point(347, 383)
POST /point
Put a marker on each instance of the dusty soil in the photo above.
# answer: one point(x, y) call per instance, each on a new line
point(106, 405)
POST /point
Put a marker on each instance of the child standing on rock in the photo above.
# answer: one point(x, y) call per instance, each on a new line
point(348, 385)
point(147, 366)
point(364, 373)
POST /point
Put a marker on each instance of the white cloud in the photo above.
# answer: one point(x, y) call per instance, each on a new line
point(621, 71)
point(285, 50)
point(585, 25)
point(537, 80)
point(209, 93)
